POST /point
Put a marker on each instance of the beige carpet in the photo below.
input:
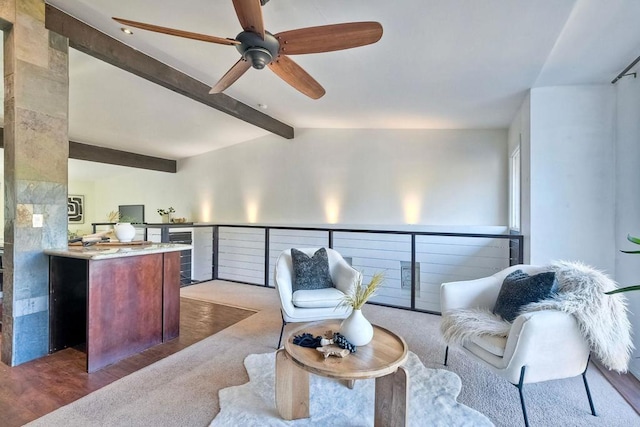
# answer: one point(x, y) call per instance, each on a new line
point(182, 390)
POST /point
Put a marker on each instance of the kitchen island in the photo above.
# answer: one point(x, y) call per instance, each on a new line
point(113, 301)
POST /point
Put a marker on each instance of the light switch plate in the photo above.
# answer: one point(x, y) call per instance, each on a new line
point(38, 220)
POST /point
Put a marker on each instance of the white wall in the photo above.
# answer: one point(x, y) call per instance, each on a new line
point(520, 134)
point(434, 177)
point(440, 177)
point(583, 179)
point(572, 175)
point(153, 189)
point(628, 197)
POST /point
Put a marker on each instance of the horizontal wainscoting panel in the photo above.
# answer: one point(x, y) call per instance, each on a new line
point(451, 258)
point(248, 254)
point(374, 252)
point(241, 254)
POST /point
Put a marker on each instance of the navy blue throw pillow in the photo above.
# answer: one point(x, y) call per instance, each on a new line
point(519, 289)
point(310, 272)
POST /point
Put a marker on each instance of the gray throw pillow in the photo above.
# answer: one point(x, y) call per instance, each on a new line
point(519, 289)
point(310, 272)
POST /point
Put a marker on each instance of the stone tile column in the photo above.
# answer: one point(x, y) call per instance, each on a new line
point(36, 151)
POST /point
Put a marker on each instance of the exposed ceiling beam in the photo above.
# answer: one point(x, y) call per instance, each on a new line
point(80, 151)
point(99, 45)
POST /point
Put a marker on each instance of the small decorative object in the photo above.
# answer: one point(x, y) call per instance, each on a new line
point(75, 209)
point(125, 232)
point(166, 214)
point(333, 350)
point(339, 340)
point(307, 340)
point(336, 346)
point(356, 328)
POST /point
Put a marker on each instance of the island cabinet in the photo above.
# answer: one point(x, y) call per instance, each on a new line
point(114, 303)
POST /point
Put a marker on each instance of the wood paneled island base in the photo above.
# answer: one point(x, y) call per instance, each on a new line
point(115, 302)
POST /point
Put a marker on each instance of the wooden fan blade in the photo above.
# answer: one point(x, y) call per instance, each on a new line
point(231, 76)
point(327, 38)
point(292, 73)
point(179, 33)
point(250, 15)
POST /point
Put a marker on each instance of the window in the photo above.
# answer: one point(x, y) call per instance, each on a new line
point(514, 190)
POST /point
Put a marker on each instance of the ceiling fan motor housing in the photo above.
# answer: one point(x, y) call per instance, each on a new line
point(257, 51)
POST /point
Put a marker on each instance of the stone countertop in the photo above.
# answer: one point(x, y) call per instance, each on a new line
point(96, 252)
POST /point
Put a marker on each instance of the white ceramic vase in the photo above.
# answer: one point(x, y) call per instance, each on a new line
point(125, 232)
point(357, 329)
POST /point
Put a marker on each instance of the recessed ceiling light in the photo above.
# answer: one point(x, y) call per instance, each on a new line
point(126, 30)
point(263, 106)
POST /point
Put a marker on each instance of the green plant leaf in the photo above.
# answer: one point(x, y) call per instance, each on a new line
point(632, 239)
point(631, 252)
point(625, 289)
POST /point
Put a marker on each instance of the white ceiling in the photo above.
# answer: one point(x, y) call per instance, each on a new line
point(440, 64)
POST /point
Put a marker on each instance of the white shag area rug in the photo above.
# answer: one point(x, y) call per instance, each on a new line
point(432, 399)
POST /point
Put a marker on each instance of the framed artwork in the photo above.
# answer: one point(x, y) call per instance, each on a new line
point(75, 209)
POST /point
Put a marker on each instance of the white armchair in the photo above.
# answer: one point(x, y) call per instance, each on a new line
point(317, 304)
point(540, 346)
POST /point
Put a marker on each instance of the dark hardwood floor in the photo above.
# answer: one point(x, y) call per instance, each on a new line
point(627, 385)
point(38, 387)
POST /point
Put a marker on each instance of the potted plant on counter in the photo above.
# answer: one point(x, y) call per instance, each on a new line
point(166, 214)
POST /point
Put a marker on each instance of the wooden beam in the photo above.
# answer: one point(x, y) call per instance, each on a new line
point(99, 45)
point(91, 153)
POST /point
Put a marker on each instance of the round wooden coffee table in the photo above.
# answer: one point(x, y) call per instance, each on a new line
point(380, 359)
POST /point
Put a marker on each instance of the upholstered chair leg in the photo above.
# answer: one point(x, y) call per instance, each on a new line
point(281, 330)
point(586, 387)
point(520, 385)
point(446, 355)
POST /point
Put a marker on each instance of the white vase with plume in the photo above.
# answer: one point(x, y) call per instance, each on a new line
point(357, 329)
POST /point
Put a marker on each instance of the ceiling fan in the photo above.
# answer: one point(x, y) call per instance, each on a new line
point(260, 48)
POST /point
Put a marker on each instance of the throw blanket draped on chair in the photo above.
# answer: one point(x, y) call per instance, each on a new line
point(602, 318)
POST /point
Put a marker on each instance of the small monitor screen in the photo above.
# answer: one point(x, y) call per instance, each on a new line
point(132, 213)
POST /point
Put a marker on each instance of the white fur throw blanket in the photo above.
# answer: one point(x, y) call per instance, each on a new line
point(602, 318)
